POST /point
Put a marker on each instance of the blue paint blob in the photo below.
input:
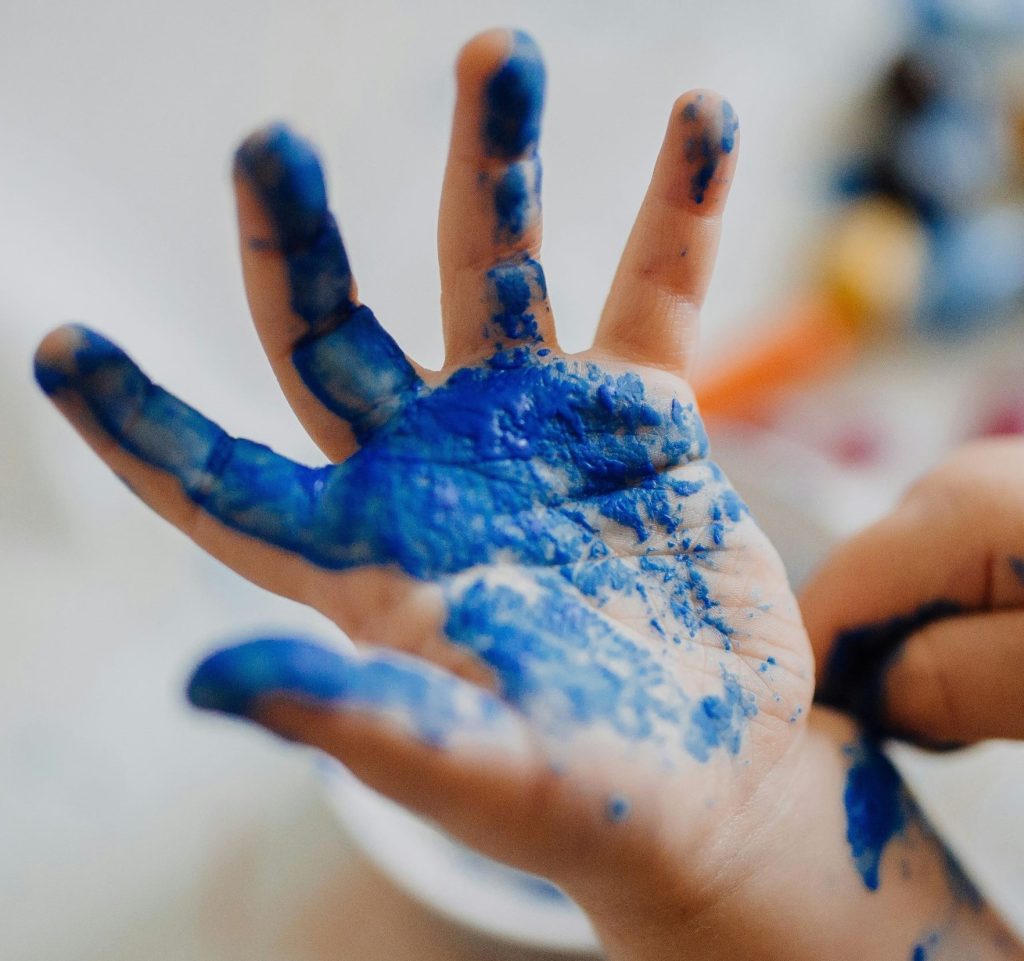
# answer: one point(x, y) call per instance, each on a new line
point(523, 459)
point(876, 808)
point(1017, 566)
point(514, 99)
point(719, 721)
point(347, 360)
point(284, 171)
point(854, 676)
point(617, 809)
point(705, 147)
point(436, 705)
point(357, 371)
point(518, 287)
point(922, 951)
point(517, 198)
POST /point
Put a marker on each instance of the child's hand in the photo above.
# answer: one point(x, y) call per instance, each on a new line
point(586, 658)
point(586, 652)
point(918, 622)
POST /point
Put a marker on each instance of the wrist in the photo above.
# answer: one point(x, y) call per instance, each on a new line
point(814, 871)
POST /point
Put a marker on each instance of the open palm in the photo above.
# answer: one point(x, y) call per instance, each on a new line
point(575, 619)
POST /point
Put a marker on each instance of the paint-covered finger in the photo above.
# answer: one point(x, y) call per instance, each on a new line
point(409, 729)
point(427, 703)
point(955, 680)
point(652, 311)
point(493, 288)
point(341, 371)
point(183, 465)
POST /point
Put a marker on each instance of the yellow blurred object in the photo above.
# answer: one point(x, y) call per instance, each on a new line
point(873, 263)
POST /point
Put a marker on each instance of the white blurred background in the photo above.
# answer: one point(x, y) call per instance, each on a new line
point(130, 826)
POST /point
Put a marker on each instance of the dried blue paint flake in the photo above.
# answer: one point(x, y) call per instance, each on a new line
point(435, 705)
point(617, 809)
point(877, 808)
point(719, 721)
point(518, 287)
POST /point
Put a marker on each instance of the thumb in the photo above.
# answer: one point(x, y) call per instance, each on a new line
point(412, 731)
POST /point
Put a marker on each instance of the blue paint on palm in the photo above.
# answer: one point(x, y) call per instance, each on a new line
point(522, 460)
point(876, 808)
point(598, 497)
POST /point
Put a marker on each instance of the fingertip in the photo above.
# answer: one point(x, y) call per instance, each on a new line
point(284, 171)
point(708, 126)
point(53, 362)
point(232, 680)
point(70, 352)
point(508, 66)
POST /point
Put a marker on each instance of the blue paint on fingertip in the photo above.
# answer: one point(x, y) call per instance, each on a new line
point(284, 171)
point(1017, 566)
point(876, 807)
point(514, 100)
point(233, 679)
point(433, 704)
point(617, 808)
point(705, 146)
point(50, 376)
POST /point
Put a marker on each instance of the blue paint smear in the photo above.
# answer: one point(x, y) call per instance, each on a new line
point(854, 676)
point(518, 288)
point(521, 459)
point(514, 100)
point(720, 721)
point(922, 951)
point(705, 147)
point(284, 172)
point(617, 809)
point(235, 679)
point(347, 360)
point(1017, 566)
point(517, 198)
point(876, 808)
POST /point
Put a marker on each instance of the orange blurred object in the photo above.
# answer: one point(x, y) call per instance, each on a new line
point(809, 343)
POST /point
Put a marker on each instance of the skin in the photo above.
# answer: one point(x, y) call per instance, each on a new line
point(955, 536)
point(706, 821)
